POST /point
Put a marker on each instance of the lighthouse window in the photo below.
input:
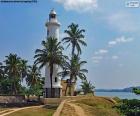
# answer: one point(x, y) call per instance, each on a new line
point(55, 79)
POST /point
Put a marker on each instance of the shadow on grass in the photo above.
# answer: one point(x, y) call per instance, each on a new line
point(52, 107)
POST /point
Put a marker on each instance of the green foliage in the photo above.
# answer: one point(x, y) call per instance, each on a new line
point(72, 67)
point(33, 75)
point(136, 91)
point(87, 87)
point(15, 69)
point(130, 107)
point(50, 55)
point(75, 38)
point(12, 74)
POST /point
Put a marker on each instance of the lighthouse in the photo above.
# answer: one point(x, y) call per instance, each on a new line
point(53, 27)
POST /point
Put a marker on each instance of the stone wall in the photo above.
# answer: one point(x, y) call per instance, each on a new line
point(12, 99)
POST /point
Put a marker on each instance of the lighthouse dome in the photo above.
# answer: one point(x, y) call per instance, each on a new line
point(53, 12)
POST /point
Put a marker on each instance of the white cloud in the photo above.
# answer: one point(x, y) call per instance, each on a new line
point(115, 57)
point(97, 57)
point(96, 61)
point(111, 43)
point(101, 51)
point(123, 21)
point(79, 5)
point(123, 39)
point(120, 40)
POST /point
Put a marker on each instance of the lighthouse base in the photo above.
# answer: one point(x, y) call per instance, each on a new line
point(56, 93)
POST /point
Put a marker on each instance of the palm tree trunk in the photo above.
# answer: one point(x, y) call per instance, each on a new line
point(73, 49)
point(70, 84)
point(66, 89)
point(14, 90)
point(51, 74)
point(70, 90)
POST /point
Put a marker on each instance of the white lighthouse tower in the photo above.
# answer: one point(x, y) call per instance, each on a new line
point(53, 27)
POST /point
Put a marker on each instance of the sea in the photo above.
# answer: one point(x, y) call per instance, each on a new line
point(121, 95)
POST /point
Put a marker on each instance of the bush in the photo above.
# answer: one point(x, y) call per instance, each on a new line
point(130, 107)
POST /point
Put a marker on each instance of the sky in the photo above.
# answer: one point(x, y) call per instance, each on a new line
point(112, 35)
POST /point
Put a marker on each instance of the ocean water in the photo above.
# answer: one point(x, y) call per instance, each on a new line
point(121, 95)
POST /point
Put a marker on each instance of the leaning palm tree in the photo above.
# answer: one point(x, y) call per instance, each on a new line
point(12, 69)
point(75, 38)
point(50, 55)
point(73, 69)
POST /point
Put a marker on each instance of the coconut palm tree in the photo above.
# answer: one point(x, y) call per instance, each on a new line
point(24, 68)
point(50, 55)
point(12, 68)
point(33, 80)
point(73, 69)
point(33, 76)
point(75, 38)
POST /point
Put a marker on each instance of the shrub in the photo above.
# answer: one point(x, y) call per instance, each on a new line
point(130, 107)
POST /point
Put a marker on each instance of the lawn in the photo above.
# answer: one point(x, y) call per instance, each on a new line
point(45, 111)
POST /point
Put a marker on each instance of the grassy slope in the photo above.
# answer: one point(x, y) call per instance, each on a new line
point(34, 112)
point(96, 106)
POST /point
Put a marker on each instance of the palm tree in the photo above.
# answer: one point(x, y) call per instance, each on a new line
point(73, 69)
point(33, 80)
point(24, 68)
point(87, 87)
point(12, 69)
point(33, 76)
point(1, 70)
point(75, 38)
point(50, 55)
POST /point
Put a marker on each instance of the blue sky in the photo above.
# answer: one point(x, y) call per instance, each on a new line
point(112, 35)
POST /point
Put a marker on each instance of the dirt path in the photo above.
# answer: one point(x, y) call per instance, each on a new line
point(71, 109)
point(79, 111)
point(4, 113)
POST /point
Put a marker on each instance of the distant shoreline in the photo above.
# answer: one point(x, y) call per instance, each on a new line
point(129, 89)
point(115, 91)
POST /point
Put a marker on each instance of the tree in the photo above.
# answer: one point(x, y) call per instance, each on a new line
point(13, 71)
point(87, 87)
point(33, 76)
point(136, 91)
point(5, 83)
point(34, 82)
point(50, 55)
point(73, 69)
point(24, 68)
point(1, 71)
point(75, 38)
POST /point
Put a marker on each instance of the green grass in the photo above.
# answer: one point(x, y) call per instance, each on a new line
point(96, 106)
point(45, 111)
